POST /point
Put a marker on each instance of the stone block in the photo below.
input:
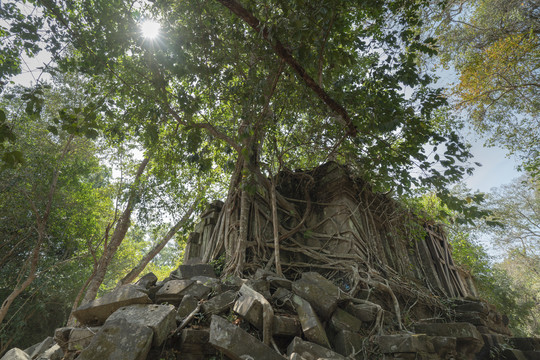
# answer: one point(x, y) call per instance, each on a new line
point(348, 343)
point(55, 352)
point(61, 336)
point(282, 299)
point(365, 312)
point(320, 292)
point(469, 339)
point(97, 311)
point(249, 307)
point(160, 318)
point(238, 344)
point(220, 303)
point(286, 326)
point(404, 343)
point(173, 291)
point(79, 338)
point(195, 342)
point(296, 356)
point(342, 320)
point(186, 272)
point(279, 282)
point(16, 354)
point(261, 286)
point(187, 305)
point(312, 351)
point(119, 340)
point(472, 306)
point(39, 348)
point(147, 281)
point(311, 325)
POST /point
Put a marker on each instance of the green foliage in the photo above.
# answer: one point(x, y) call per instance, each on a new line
point(494, 45)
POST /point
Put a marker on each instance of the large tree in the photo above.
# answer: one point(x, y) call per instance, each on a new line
point(247, 88)
point(494, 46)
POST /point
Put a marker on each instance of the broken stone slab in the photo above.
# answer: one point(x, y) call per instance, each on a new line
point(220, 303)
point(472, 306)
point(195, 343)
point(186, 307)
point(296, 356)
point(261, 286)
point(97, 311)
point(311, 325)
point(513, 354)
point(469, 339)
point(281, 299)
point(365, 312)
point(404, 343)
point(119, 340)
point(249, 305)
point(160, 318)
point(55, 352)
point(342, 320)
point(286, 326)
point(16, 354)
point(186, 272)
point(173, 291)
point(320, 292)
point(312, 351)
point(348, 343)
point(279, 282)
point(79, 338)
point(236, 343)
point(61, 337)
point(147, 281)
point(39, 348)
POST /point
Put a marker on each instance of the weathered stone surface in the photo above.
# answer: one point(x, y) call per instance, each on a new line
point(79, 338)
point(236, 343)
point(311, 325)
point(348, 343)
point(320, 292)
point(476, 306)
point(147, 281)
point(281, 298)
point(261, 286)
point(342, 320)
point(55, 352)
point(185, 272)
point(364, 312)
point(195, 342)
point(173, 291)
point(119, 340)
point(16, 354)
point(61, 336)
point(286, 326)
point(39, 348)
point(312, 351)
point(492, 344)
point(512, 354)
point(160, 318)
point(296, 356)
point(279, 282)
point(220, 303)
point(186, 307)
point(249, 307)
point(97, 311)
point(458, 330)
point(404, 343)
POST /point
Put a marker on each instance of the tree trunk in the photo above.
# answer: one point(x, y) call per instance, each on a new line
point(117, 237)
point(132, 275)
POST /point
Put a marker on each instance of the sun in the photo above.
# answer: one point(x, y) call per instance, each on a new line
point(150, 29)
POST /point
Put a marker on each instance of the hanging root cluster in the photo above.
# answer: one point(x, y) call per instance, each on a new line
point(326, 222)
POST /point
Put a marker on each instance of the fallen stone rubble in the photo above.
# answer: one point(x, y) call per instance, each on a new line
point(194, 315)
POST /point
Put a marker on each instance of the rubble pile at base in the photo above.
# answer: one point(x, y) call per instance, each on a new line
point(195, 315)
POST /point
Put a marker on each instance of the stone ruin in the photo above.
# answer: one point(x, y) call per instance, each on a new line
point(358, 283)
